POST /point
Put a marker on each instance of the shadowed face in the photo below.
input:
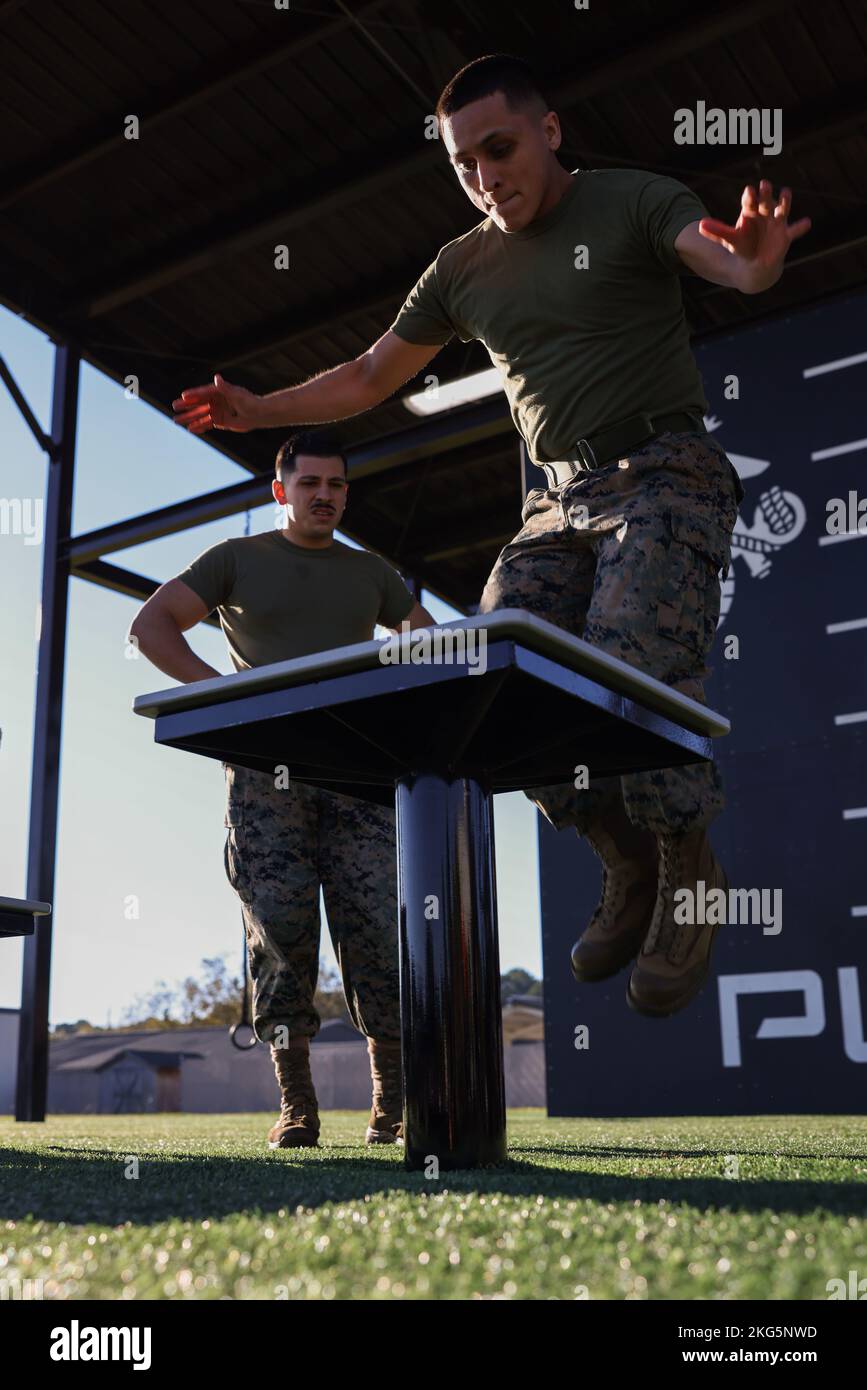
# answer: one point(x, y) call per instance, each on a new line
point(505, 159)
point(315, 493)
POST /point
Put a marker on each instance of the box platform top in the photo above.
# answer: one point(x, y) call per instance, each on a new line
point(505, 625)
point(25, 907)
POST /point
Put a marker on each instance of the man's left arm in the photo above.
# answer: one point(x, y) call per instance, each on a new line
point(748, 256)
point(416, 617)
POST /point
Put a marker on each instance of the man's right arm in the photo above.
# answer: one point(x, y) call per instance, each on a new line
point(159, 626)
point(347, 390)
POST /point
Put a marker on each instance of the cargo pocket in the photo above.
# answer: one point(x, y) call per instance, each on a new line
point(233, 821)
point(233, 857)
point(689, 599)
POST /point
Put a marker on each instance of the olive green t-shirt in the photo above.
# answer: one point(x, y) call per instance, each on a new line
point(579, 348)
point(277, 600)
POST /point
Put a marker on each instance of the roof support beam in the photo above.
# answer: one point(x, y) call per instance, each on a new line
point(32, 1073)
point(42, 439)
point(167, 521)
point(123, 582)
point(448, 431)
point(256, 227)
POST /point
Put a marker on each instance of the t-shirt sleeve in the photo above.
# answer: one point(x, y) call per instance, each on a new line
point(663, 208)
point(212, 575)
point(397, 601)
point(423, 318)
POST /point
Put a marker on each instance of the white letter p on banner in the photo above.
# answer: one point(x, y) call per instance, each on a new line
point(806, 1025)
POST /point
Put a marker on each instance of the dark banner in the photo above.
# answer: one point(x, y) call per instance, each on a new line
point(781, 1026)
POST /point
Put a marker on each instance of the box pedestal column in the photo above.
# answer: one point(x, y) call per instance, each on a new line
point(451, 1023)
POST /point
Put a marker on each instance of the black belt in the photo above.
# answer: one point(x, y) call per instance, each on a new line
point(618, 441)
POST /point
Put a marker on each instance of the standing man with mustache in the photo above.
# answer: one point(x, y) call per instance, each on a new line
point(571, 283)
point(279, 595)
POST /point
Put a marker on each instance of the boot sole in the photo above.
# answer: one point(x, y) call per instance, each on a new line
point(586, 978)
point(298, 1144)
point(651, 1011)
point(666, 1011)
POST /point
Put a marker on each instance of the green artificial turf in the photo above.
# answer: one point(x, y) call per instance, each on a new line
point(756, 1207)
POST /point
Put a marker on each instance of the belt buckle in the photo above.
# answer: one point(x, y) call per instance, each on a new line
point(586, 453)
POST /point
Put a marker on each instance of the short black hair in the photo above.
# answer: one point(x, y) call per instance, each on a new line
point(318, 443)
point(495, 72)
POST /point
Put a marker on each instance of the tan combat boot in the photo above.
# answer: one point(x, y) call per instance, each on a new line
point(386, 1113)
point(298, 1125)
point(675, 958)
point(629, 859)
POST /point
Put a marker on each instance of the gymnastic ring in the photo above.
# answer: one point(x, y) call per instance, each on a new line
point(242, 1047)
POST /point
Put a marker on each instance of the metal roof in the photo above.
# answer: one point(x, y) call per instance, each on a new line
point(84, 1051)
point(305, 126)
point(107, 1057)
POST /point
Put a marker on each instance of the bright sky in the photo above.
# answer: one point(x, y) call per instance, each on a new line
point(139, 822)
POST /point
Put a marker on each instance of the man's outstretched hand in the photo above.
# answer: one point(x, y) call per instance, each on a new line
point(762, 234)
point(218, 407)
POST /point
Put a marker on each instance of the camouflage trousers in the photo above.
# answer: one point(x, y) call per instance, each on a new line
point(282, 846)
point(629, 557)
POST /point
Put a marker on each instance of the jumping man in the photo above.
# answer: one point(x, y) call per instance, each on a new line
point(571, 283)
